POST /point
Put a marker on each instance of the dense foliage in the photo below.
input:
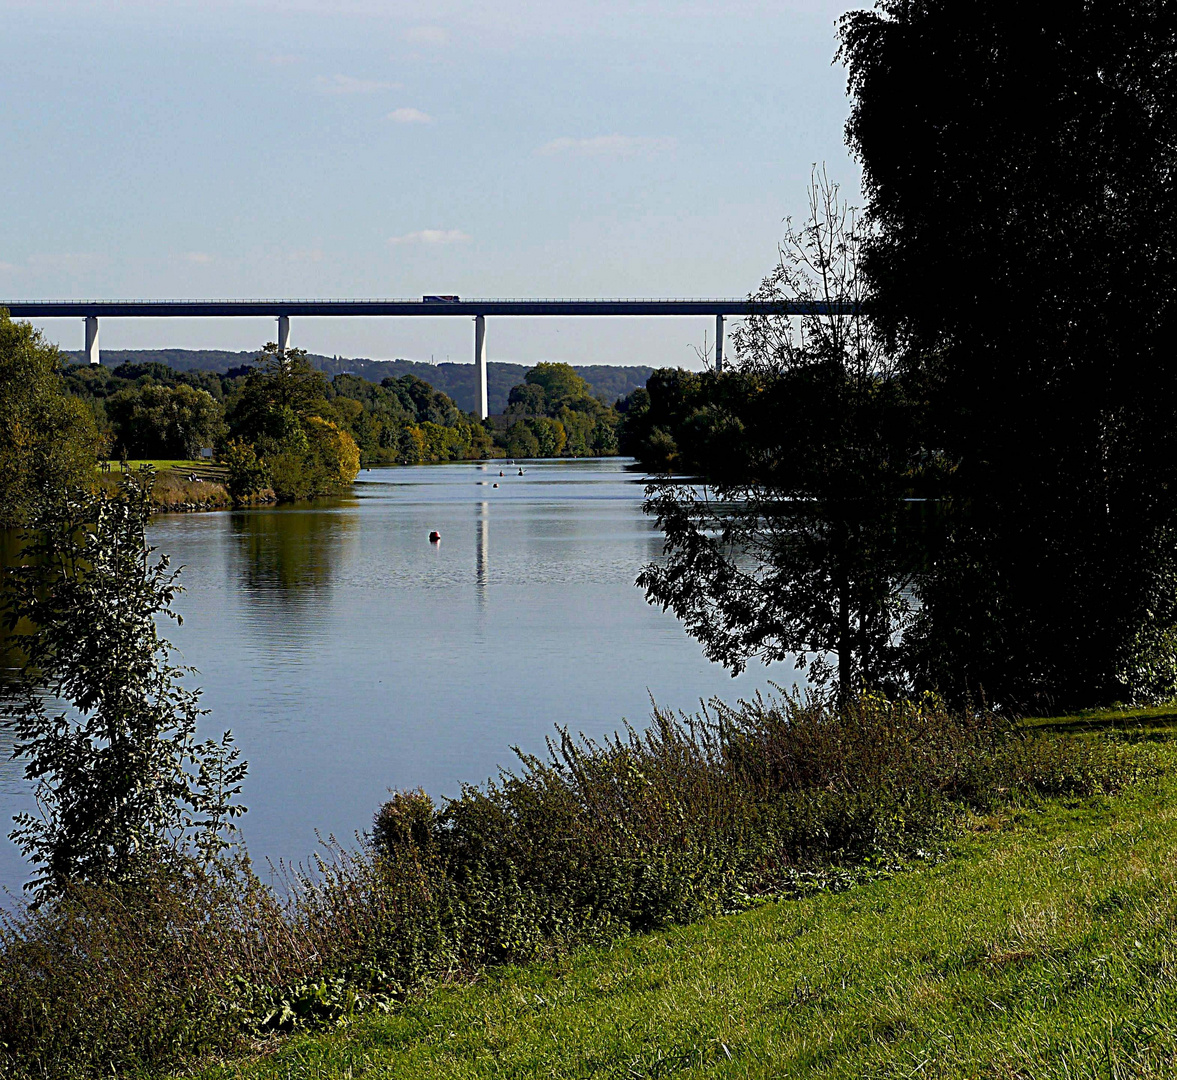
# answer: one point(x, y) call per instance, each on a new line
point(48, 440)
point(249, 416)
point(1015, 264)
point(558, 415)
point(1020, 173)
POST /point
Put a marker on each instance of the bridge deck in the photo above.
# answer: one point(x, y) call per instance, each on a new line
point(50, 309)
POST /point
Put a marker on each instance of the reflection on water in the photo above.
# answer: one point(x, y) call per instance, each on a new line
point(349, 654)
point(482, 547)
point(291, 551)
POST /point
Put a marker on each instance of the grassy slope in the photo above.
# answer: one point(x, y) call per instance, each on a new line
point(172, 486)
point(1045, 948)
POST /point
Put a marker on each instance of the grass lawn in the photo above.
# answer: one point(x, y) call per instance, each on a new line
point(170, 465)
point(1045, 947)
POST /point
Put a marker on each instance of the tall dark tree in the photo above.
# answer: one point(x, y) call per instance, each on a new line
point(1021, 173)
point(280, 391)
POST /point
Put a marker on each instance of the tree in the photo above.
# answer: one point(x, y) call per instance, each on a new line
point(163, 421)
point(796, 547)
point(1019, 167)
point(48, 440)
point(559, 382)
point(526, 399)
point(246, 475)
point(279, 415)
point(282, 386)
point(113, 756)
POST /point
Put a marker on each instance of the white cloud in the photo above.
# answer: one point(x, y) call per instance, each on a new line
point(201, 258)
point(431, 236)
point(410, 116)
point(69, 262)
point(7, 268)
point(347, 84)
point(605, 146)
point(427, 35)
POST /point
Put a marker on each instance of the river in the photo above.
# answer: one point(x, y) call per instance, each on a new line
point(348, 654)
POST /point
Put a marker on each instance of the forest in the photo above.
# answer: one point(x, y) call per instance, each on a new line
point(251, 412)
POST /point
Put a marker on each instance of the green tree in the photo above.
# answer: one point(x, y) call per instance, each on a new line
point(562, 416)
point(279, 414)
point(521, 441)
point(162, 421)
point(559, 382)
point(281, 387)
point(112, 748)
point(527, 399)
point(246, 474)
point(48, 439)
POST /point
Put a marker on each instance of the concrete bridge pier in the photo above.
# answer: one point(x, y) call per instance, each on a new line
point(283, 333)
point(480, 363)
point(718, 343)
point(92, 353)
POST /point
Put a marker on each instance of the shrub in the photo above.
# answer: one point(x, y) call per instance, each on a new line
point(112, 978)
point(682, 821)
point(246, 474)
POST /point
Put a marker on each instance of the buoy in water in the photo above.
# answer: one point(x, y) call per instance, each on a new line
point(434, 537)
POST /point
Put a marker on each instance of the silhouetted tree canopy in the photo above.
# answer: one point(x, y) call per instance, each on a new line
point(1020, 167)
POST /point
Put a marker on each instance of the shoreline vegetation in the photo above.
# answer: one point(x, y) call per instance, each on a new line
point(768, 809)
point(1041, 947)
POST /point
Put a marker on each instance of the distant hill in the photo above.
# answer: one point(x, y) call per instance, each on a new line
point(456, 380)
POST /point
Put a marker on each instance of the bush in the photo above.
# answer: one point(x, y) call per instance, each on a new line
point(246, 474)
point(112, 978)
point(683, 821)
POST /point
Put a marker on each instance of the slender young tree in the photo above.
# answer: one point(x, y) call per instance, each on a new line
point(794, 547)
point(104, 723)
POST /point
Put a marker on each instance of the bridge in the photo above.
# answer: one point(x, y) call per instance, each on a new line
point(283, 310)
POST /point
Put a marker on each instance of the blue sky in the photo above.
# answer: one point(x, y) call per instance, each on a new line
point(356, 148)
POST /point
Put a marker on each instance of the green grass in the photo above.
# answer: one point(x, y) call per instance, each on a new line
point(201, 468)
point(1150, 722)
point(1045, 947)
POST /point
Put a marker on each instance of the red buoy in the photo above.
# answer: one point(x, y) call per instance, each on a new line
point(434, 536)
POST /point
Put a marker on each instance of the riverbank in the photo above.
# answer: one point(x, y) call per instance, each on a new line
point(182, 486)
point(1042, 947)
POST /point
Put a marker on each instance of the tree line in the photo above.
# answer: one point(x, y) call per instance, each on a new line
point(151, 411)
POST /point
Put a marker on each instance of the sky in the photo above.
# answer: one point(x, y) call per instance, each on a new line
point(362, 149)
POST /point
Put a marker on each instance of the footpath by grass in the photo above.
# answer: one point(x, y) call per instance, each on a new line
point(1044, 946)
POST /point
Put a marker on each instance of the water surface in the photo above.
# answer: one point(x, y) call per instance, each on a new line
point(349, 655)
